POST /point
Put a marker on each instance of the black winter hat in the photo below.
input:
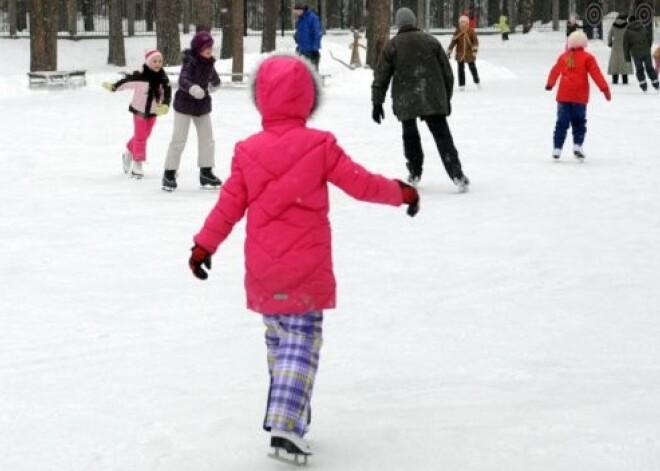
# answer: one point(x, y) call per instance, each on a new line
point(298, 5)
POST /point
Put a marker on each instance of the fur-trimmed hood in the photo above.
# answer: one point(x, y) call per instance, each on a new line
point(285, 87)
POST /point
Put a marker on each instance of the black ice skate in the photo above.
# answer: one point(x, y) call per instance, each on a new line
point(296, 449)
point(169, 180)
point(207, 179)
point(462, 183)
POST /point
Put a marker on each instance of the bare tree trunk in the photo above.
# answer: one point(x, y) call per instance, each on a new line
point(116, 52)
point(378, 30)
point(226, 11)
point(269, 31)
point(555, 15)
point(72, 17)
point(237, 38)
point(88, 13)
point(187, 16)
point(203, 15)
point(130, 17)
point(43, 35)
point(149, 14)
point(526, 14)
point(13, 17)
point(167, 30)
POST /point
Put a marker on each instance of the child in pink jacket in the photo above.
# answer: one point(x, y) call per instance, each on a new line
point(279, 179)
point(152, 95)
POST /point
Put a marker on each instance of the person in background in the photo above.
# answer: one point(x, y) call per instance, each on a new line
point(192, 102)
point(656, 58)
point(573, 69)
point(422, 87)
point(618, 65)
point(308, 33)
point(637, 47)
point(503, 25)
point(151, 97)
point(467, 44)
point(279, 181)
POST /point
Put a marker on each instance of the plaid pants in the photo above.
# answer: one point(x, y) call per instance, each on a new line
point(293, 343)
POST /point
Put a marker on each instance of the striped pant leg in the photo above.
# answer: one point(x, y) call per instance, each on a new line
point(293, 343)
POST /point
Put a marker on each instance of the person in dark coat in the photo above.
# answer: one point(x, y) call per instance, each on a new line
point(637, 47)
point(192, 102)
point(422, 86)
point(308, 33)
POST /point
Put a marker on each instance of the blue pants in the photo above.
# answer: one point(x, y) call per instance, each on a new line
point(572, 115)
point(293, 343)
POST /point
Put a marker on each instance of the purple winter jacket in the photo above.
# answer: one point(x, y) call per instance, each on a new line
point(195, 70)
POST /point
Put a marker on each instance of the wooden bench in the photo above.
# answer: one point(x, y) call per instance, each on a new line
point(57, 78)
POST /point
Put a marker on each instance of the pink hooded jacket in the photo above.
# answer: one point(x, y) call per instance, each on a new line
point(280, 177)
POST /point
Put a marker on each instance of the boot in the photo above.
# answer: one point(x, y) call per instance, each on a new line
point(169, 180)
point(208, 179)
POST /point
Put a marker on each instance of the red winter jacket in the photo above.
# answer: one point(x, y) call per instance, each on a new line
point(280, 177)
point(575, 66)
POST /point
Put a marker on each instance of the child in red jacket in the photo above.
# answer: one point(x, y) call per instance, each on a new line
point(279, 181)
point(574, 66)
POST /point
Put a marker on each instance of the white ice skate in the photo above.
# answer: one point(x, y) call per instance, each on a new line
point(296, 448)
point(462, 183)
point(578, 153)
point(126, 159)
point(136, 170)
point(556, 153)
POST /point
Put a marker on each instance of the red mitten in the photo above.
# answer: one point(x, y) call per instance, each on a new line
point(200, 256)
point(608, 94)
point(410, 197)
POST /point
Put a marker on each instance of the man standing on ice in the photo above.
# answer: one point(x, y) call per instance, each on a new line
point(422, 86)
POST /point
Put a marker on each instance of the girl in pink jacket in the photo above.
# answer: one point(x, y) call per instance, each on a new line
point(279, 179)
point(152, 95)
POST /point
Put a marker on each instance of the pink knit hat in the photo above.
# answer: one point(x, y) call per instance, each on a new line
point(150, 54)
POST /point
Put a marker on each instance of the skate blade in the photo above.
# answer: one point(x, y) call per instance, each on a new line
point(298, 459)
point(210, 187)
point(137, 177)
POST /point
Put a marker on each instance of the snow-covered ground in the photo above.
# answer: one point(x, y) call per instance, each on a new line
point(511, 328)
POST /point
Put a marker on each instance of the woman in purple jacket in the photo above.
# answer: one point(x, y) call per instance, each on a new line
point(192, 102)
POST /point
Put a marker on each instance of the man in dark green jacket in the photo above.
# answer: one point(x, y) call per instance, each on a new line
point(422, 85)
point(637, 45)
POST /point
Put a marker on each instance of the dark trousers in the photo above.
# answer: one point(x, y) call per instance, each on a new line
point(642, 63)
point(313, 57)
point(461, 73)
point(615, 79)
point(505, 36)
point(412, 145)
point(573, 115)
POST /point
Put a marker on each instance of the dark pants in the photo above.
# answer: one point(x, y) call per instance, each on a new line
point(412, 145)
point(313, 57)
point(572, 115)
point(642, 63)
point(461, 73)
point(505, 36)
point(615, 79)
